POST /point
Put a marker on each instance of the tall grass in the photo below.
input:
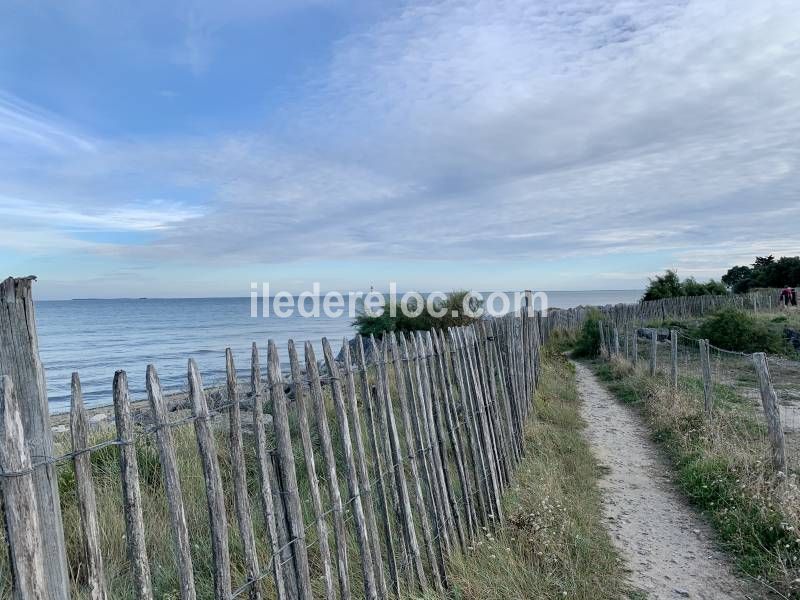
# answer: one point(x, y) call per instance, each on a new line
point(723, 466)
point(554, 544)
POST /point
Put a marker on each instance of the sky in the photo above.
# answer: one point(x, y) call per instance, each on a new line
point(189, 148)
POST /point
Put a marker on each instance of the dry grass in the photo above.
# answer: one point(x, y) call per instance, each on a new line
point(723, 465)
point(554, 544)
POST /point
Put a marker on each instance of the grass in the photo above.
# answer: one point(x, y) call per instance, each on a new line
point(723, 468)
point(554, 544)
point(772, 323)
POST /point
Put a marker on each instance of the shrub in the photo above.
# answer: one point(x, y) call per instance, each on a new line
point(452, 306)
point(733, 329)
point(588, 343)
point(669, 285)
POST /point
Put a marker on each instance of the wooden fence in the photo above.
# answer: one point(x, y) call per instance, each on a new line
point(623, 334)
point(673, 356)
point(415, 438)
point(683, 307)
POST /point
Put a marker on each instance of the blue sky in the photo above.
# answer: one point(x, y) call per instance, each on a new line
point(186, 149)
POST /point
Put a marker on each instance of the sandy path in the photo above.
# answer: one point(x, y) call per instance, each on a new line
point(667, 546)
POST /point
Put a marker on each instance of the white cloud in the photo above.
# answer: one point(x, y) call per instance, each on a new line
point(499, 131)
point(23, 126)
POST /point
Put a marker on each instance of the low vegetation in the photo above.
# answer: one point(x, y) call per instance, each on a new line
point(669, 285)
point(447, 312)
point(554, 544)
point(723, 467)
point(733, 329)
point(742, 331)
point(587, 344)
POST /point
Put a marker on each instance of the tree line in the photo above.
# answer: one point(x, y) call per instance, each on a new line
point(765, 272)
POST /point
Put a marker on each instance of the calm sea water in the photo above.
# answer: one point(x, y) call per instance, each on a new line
point(98, 337)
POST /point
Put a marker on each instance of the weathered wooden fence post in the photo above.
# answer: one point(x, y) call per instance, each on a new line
point(673, 343)
point(602, 338)
point(264, 461)
point(131, 491)
point(769, 400)
point(331, 474)
point(19, 359)
point(357, 507)
point(627, 335)
point(311, 469)
point(21, 514)
point(215, 496)
point(390, 426)
point(635, 347)
point(289, 490)
point(84, 491)
point(616, 341)
point(708, 383)
point(370, 407)
point(653, 351)
point(240, 495)
point(363, 473)
point(172, 485)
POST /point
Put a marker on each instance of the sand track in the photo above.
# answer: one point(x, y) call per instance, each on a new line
point(668, 547)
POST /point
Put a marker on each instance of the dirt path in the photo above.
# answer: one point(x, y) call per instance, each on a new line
point(666, 544)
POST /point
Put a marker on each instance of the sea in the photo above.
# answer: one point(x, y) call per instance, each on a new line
point(98, 337)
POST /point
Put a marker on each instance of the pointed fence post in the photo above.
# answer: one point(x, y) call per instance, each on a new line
point(602, 338)
point(240, 495)
point(172, 485)
point(288, 475)
point(19, 359)
point(215, 496)
point(131, 491)
point(769, 400)
point(708, 384)
point(673, 343)
point(264, 461)
point(87, 499)
point(653, 350)
point(311, 469)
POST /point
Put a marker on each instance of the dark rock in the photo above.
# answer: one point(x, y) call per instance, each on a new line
point(354, 353)
point(793, 336)
point(645, 333)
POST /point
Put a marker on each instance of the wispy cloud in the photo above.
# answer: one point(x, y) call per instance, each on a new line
point(472, 131)
point(23, 125)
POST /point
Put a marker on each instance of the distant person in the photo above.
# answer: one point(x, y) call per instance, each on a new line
point(794, 296)
point(785, 297)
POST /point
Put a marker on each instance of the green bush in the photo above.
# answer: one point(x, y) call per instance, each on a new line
point(588, 343)
point(669, 285)
point(452, 305)
point(733, 329)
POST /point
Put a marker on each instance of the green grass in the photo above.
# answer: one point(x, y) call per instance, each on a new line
point(554, 544)
point(722, 468)
point(770, 326)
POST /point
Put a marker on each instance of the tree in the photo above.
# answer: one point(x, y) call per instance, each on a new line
point(669, 285)
point(691, 287)
point(764, 272)
point(738, 277)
